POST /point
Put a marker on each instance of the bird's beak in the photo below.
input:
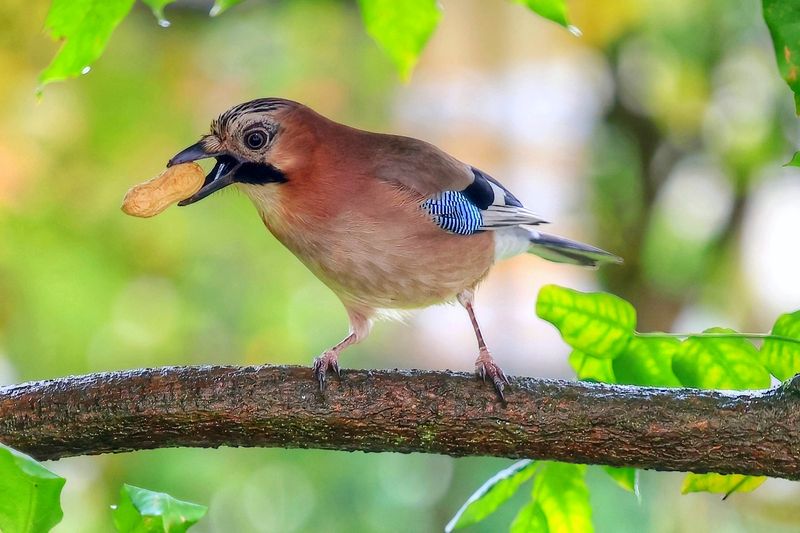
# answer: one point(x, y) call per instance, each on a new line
point(220, 176)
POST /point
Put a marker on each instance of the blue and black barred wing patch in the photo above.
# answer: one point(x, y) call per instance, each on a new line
point(484, 205)
point(454, 212)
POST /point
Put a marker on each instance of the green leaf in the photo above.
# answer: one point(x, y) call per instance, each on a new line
point(648, 362)
point(555, 10)
point(626, 477)
point(720, 483)
point(782, 358)
point(157, 6)
point(795, 161)
point(144, 511)
point(86, 26)
point(591, 368)
point(492, 494)
point(401, 28)
point(530, 519)
point(561, 492)
point(221, 6)
point(719, 363)
point(598, 324)
point(783, 20)
point(30, 494)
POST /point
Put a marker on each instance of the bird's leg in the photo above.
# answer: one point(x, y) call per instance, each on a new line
point(360, 325)
point(485, 365)
point(330, 360)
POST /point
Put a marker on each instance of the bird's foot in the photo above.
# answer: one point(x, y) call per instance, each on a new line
point(485, 366)
point(327, 361)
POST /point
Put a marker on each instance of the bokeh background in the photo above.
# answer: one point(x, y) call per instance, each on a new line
point(659, 134)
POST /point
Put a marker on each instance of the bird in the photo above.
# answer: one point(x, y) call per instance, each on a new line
point(389, 223)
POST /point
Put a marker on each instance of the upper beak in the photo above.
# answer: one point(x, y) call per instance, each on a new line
point(220, 176)
point(193, 153)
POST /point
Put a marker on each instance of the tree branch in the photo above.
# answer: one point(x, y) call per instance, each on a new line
point(754, 432)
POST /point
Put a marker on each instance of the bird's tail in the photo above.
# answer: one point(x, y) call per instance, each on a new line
point(561, 250)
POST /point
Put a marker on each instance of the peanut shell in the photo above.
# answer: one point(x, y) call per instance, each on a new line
point(173, 185)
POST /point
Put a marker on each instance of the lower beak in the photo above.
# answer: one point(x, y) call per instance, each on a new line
point(220, 176)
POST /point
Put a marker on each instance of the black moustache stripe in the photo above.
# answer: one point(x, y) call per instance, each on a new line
point(259, 174)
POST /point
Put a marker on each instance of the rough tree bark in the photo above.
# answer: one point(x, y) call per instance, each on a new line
point(753, 432)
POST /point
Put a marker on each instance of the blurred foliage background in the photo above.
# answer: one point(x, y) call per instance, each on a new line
point(659, 134)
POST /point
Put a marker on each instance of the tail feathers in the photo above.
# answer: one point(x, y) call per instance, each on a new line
point(561, 250)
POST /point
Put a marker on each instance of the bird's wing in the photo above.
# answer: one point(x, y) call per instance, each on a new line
point(499, 208)
point(483, 205)
point(460, 198)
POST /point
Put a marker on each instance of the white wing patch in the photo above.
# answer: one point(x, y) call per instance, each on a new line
point(499, 214)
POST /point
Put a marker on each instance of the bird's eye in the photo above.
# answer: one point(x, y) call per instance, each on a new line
point(255, 140)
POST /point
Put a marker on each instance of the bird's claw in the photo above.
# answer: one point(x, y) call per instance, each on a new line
point(485, 366)
point(323, 363)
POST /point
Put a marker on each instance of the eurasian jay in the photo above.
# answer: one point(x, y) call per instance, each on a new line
point(386, 222)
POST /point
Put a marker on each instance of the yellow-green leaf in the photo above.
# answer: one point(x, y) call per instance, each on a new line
point(795, 161)
point(555, 10)
point(783, 20)
point(560, 491)
point(782, 357)
point(530, 519)
point(591, 368)
point(720, 483)
point(85, 26)
point(157, 7)
point(401, 28)
point(626, 477)
point(30, 494)
point(143, 511)
point(221, 6)
point(492, 494)
point(647, 361)
point(598, 324)
point(719, 363)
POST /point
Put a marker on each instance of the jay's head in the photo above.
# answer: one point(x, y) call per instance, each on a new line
point(244, 142)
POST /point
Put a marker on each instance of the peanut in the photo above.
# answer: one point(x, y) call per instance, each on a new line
point(173, 185)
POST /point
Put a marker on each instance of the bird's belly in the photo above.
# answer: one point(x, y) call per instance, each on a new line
point(397, 281)
point(386, 270)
